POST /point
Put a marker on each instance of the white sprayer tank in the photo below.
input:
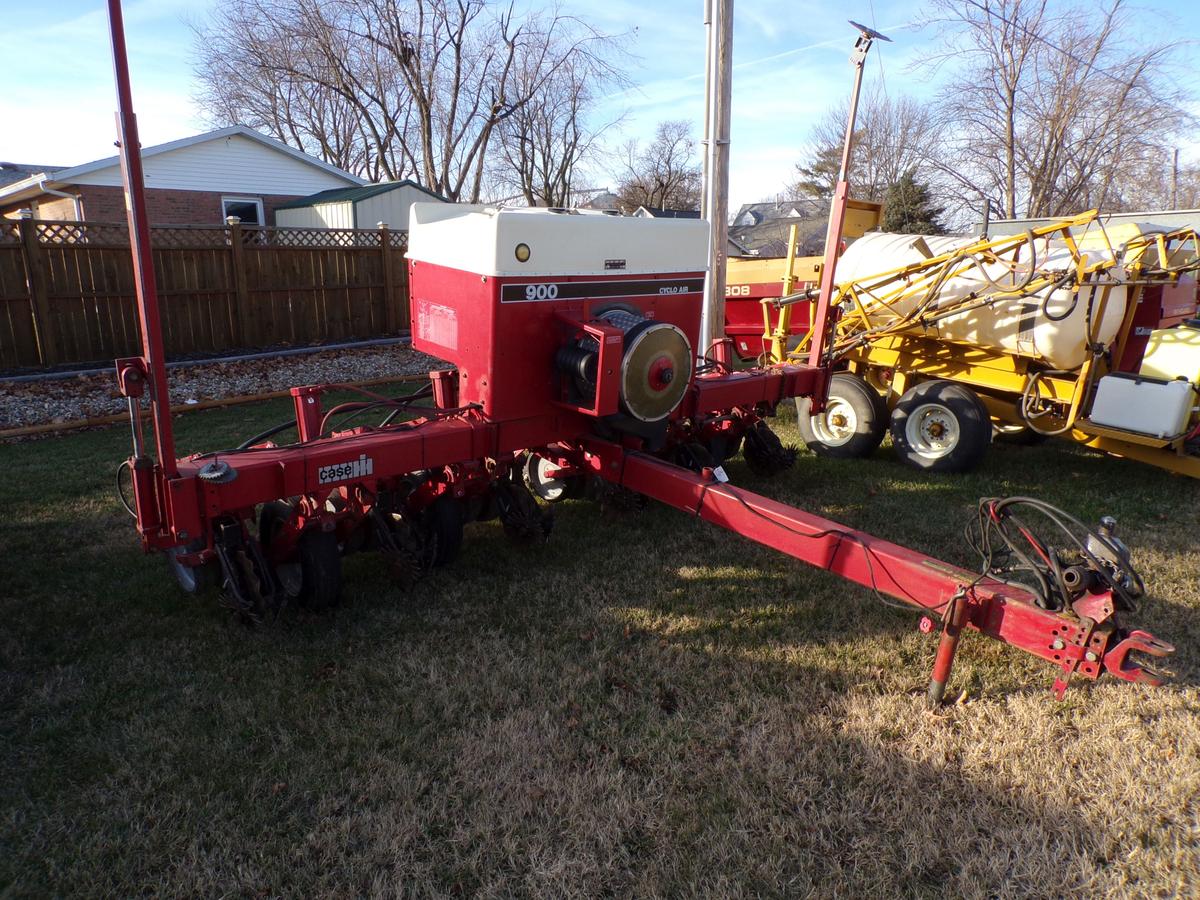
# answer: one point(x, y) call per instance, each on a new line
point(1019, 326)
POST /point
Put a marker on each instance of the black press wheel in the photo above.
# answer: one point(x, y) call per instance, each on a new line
point(940, 426)
point(320, 570)
point(443, 526)
point(853, 424)
point(313, 574)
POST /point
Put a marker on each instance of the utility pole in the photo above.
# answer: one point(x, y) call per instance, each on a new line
point(715, 208)
point(706, 141)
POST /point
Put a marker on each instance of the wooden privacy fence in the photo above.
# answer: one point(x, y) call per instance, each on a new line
point(66, 288)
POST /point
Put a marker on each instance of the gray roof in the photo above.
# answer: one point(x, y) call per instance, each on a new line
point(658, 212)
point(354, 194)
point(602, 200)
point(772, 210)
point(10, 172)
point(770, 238)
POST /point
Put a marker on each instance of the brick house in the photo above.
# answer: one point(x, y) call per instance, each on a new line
point(198, 180)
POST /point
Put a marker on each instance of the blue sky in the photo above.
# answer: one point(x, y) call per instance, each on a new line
point(790, 64)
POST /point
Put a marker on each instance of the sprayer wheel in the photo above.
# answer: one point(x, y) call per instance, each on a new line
point(940, 426)
point(853, 424)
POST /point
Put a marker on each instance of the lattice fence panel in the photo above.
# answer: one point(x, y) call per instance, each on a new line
point(97, 234)
point(185, 237)
point(10, 232)
point(317, 237)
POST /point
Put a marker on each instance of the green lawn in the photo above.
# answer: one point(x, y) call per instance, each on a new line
point(642, 705)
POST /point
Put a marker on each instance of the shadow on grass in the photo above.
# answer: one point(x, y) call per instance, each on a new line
point(513, 726)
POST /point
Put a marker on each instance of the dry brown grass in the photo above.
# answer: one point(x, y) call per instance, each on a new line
point(642, 706)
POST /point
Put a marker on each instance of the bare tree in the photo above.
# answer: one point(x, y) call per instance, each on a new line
point(1155, 183)
point(249, 60)
point(389, 89)
point(1045, 109)
point(893, 136)
point(544, 142)
point(664, 175)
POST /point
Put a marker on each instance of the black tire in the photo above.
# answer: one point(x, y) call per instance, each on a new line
point(940, 426)
point(314, 577)
point(723, 448)
point(321, 570)
point(863, 411)
point(443, 526)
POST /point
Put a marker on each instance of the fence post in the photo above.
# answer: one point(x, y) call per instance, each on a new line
point(389, 280)
point(39, 303)
point(244, 320)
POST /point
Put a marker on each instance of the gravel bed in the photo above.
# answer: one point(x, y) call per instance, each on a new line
point(88, 396)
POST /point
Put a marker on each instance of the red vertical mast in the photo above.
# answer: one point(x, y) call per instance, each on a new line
point(824, 313)
point(139, 242)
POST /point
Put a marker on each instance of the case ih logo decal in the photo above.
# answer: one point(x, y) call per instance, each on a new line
point(353, 468)
point(588, 290)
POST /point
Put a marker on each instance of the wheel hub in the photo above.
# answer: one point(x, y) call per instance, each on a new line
point(837, 425)
point(932, 430)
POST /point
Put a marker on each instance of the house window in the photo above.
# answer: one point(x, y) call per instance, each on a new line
point(248, 209)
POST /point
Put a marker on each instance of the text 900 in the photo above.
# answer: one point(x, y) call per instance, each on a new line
point(541, 291)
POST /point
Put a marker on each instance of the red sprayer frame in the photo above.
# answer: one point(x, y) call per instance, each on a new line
point(503, 407)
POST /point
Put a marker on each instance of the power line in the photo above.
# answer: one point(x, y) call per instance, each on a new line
point(879, 56)
point(1037, 37)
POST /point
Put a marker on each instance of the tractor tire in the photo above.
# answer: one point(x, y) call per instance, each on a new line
point(853, 424)
point(940, 426)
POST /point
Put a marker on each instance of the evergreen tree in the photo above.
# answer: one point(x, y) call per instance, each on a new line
point(819, 178)
point(908, 208)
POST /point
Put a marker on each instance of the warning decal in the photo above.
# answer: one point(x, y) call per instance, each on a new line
point(437, 324)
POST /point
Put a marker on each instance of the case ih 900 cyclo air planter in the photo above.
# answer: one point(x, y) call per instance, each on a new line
point(572, 336)
point(574, 341)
